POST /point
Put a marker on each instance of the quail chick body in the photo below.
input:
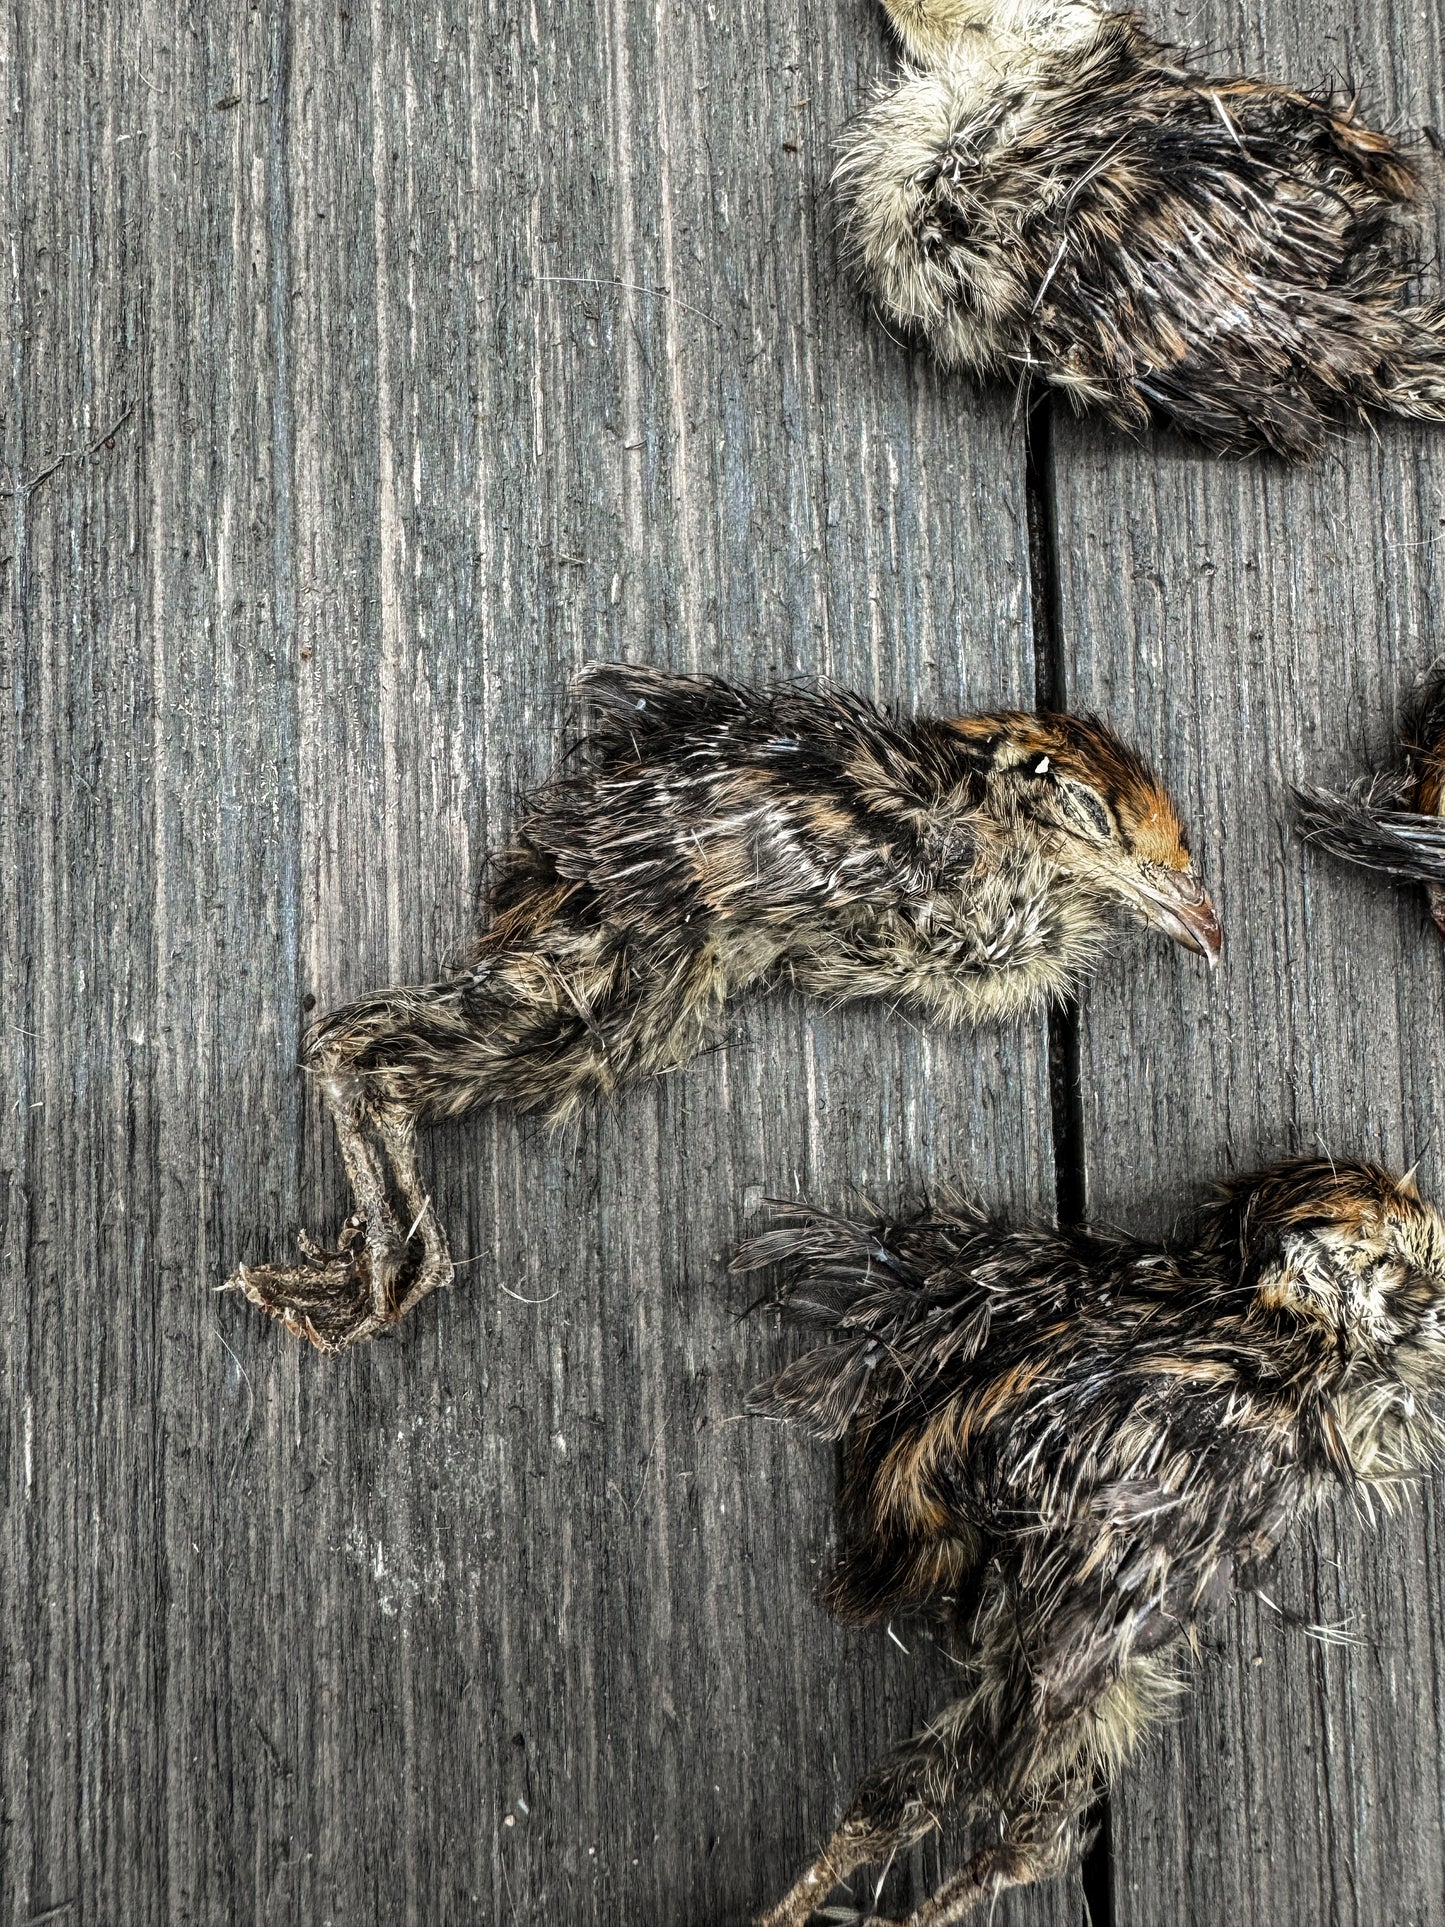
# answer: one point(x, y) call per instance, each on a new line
point(1070, 1446)
point(1393, 823)
point(1050, 191)
point(707, 838)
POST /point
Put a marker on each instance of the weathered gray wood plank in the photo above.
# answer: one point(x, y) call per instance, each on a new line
point(1254, 629)
point(510, 1619)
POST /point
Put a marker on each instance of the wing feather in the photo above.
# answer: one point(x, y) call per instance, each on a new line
point(694, 801)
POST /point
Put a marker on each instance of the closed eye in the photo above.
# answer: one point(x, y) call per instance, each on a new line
point(1087, 811)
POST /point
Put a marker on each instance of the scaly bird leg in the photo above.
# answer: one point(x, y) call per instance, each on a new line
point(1039, 1851)
point(342, 1297)
point(849, 1848)
point(853, 1845)
point(1033, 1830)
point(436, 1270)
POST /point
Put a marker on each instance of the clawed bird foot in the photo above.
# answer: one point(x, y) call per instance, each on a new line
point(339, 1298)
point(327, 1299)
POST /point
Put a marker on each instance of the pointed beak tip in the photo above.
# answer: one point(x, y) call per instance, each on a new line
point(1209, 935)
point(1189, 917)
point(1210, 932)
point(1206, 944)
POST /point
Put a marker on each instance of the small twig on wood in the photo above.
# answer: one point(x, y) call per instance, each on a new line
point(72, 455)
point(627, 287)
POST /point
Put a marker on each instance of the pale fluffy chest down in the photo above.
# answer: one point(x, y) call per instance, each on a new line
point(929, 214)
point(1001, 941)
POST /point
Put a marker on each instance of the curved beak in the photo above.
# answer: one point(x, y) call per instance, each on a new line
point(1178, 904)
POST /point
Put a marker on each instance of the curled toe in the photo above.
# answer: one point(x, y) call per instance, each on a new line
point(326, 1299)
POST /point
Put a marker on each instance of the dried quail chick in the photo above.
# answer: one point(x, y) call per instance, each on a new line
point(1071, 1445)
point(1050, 191)
point(1393, 823)
point(706, 839)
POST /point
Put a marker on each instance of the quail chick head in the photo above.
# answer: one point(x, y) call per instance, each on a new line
point(1068, 1446)
point(705, 839)
point(1393, 823)
point(1049, 191)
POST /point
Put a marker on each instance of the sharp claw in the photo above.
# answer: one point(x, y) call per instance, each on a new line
point(303, 1328)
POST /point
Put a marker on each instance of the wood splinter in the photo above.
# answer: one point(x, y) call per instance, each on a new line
point(706, 839)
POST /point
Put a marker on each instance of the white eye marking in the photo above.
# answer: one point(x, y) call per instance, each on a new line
point(1041, 767)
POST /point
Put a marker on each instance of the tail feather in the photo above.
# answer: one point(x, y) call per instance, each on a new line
point(1364, 827)
point(630, 703)
point(891, 1321)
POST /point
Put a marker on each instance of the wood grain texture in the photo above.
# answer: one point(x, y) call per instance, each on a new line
point(444, 348)
point(1256, 629)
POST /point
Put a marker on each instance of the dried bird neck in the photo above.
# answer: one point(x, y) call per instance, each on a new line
point(1429, 797)
point(1324, 1359)
point(1429, 800)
